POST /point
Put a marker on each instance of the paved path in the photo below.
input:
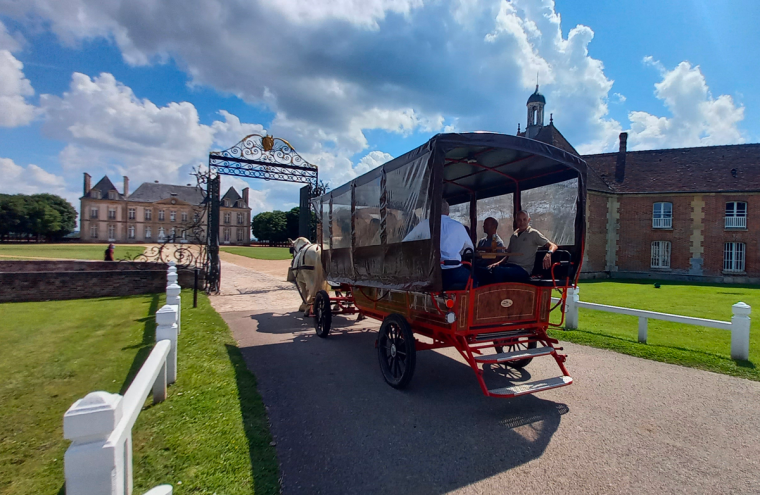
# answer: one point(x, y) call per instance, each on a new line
point(626, 425)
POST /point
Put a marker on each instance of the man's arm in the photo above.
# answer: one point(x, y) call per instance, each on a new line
point(547, 263)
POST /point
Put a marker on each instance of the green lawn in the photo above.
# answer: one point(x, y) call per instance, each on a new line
point(211, 433)
point(66, 251)
point(687, 345)
point(260, 253)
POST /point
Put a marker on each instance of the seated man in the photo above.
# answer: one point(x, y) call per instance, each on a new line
point(521, 252)
point(454, 240)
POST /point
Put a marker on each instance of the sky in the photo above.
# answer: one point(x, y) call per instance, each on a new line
point(146, 88)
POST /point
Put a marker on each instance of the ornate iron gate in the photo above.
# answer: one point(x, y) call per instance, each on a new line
point(255, 157)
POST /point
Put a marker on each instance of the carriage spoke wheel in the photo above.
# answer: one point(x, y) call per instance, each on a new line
point(519, 346)
point(396, 351)
point(322, 314)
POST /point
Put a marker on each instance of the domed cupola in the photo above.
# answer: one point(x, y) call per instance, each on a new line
point(536, 103)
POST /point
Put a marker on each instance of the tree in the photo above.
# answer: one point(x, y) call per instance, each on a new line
point(40, 215)
point(270, 226)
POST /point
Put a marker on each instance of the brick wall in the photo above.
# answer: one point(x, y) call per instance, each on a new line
point(715, 233)
point(57, 280)
point(596, 233)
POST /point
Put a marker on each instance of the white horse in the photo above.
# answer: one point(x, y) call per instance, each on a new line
point(306, 271)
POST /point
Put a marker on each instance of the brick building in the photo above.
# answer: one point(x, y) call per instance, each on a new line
point(688, 213)
point(156, 213)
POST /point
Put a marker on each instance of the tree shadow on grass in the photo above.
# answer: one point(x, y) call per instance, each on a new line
point(265, 469)
point(144, 347)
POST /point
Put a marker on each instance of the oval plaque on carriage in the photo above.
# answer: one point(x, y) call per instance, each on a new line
point(505, 303)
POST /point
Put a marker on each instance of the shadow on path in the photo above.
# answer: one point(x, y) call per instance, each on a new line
point(340, 428)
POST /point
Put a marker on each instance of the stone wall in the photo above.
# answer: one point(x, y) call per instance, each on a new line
point(57, 280)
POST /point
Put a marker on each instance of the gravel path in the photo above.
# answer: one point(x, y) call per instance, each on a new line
point(626, 425)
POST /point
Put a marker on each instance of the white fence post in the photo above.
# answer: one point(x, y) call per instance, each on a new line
point(571, 308)
point(740, 331)
point(167, 329)
point(643, 329)
point(90, 466)
point(160, 490)
point(173, 299)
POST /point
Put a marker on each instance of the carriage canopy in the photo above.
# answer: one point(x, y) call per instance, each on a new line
point(363, 224)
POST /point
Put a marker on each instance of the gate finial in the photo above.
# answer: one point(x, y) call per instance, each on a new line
point(267, 142)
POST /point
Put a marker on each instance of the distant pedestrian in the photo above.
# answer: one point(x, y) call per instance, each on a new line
point(109, 252)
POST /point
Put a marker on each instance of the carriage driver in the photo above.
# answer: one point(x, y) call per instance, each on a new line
point(523, 243)
point(454, 240)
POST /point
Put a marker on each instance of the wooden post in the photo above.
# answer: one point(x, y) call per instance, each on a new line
point(571, 308)
point(167, 329)
point(740, 331)
point(90, 465)
point(643, 329)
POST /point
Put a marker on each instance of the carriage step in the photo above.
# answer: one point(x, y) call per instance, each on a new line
point(504, 357)
point(532, 387)
point(514, 334)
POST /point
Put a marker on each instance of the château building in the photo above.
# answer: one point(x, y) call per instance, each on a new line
point(157, 212)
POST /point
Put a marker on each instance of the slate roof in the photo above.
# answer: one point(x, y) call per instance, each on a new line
point(104, 185)
point(731, 168)
point(150, 192)
point(232, 195)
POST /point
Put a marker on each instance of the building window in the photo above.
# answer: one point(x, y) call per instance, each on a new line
point(195, 217)
point(132, 213)
point(95, 194)
point(736, 215)
point(111, 232)
point(184, 234)
point(161, 234)
point(112, 214)
point(174, 234)
point(160, 215)
point(132, 232)
point(93, 213)
point(94, 232)
point(662, 216)
point(184, 216)
point(240, 218)
point(227, 203)
point(111, 194)
point(733, 257)
point(240, 235)
point(660, 254)
point(226, 235)
point(227, 217)
point(172, 216)
point(147, 232)
point(148, 215)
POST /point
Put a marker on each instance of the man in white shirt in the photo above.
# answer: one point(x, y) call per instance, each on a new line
point(454, 240)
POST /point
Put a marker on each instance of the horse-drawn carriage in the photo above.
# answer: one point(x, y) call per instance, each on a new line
point(381, 274)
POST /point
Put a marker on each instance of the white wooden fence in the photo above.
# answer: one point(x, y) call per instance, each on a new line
point(738, 326)
point(99, 459)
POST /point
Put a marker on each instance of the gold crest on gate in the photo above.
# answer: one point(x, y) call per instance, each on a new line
point(506, 303)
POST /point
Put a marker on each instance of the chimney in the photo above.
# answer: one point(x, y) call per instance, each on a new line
point(620, 163)
point(126, 187)
point(86, 183)
point(245, 196)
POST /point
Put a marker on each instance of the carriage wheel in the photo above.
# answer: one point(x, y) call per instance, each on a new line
point(519, 346)
point(322, 314)
point(396, 351)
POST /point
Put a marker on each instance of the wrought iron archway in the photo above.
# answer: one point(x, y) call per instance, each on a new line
point(254, 157)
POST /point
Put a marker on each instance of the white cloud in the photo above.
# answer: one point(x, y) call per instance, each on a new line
point(15, 88)
point(698, 119)
point(29, 180)
point(620, 98)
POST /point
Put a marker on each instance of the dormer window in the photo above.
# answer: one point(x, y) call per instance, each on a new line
point(95, 194)
point(111, 194)
point(227, 203)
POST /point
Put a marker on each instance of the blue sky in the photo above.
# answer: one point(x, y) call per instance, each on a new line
point(147, 88)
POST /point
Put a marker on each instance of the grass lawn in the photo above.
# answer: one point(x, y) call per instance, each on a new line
point(66, 251)
point(211, 433)
point(260, 253)
point(687, 345)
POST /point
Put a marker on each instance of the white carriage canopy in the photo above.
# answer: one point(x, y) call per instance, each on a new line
point(363, 224)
